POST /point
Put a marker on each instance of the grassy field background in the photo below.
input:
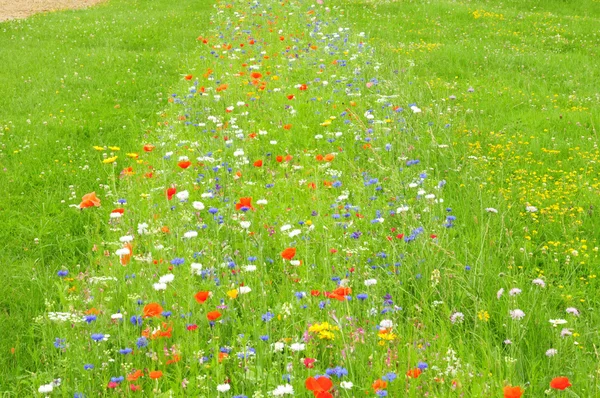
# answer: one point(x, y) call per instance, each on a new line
point(514, 85)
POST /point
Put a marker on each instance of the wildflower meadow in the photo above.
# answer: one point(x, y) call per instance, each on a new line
point(312, 198)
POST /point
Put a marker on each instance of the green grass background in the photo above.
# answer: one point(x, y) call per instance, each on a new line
point(102, 76)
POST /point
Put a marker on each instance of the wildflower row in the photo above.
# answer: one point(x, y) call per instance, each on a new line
point(278, 234)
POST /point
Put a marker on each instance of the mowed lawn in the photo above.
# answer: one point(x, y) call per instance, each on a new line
point(514, 86)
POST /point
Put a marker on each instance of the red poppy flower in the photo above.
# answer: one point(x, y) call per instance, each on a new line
point(291, 97)
point(188, 77)
point(201, 297)
point(134, 387)
point(258, 163)
point(213, 315)
point(302, 87)
point(315, 293)
point(170, 192)
point(322, 384)
point(156, 374)
point(149, 148)
point(287, 126)
point(309, 362)
point(244, 202)
point(89, 200)
point(256, 75)
point(288, 253)
point(414, 373)
point(279, 158)
point(184, 164)
point(560, 383)
point(135, 375)
point(152, 310)
point(513, 392)
point(379, 385)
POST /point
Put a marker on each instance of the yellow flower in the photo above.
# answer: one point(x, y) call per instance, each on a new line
point(326, 335)
point(232, 293)
point(98, 148)
point(110, 160)
point(114, 148)
point(387, 336)
point(133, 155)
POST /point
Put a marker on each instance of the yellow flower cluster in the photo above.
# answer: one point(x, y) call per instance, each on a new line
point(323, 330)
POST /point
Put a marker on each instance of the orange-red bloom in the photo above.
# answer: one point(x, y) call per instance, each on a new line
point(148, 148)
point(156, 374)
point(560, 383)
point(258, 163)
point(288, 253)
point(188, 77)
point(201, 297)
point(244, 202)
point(379, 385)
point(513, 392)
point(320, 385)
point(126, 258)
point(414, 373)
point(152, 310)
point(89, 200)
point(170, 192)
point(135, 375)
point(184, 164)
point(213, 315)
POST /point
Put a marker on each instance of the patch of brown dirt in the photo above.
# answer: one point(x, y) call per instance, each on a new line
point(12, 9)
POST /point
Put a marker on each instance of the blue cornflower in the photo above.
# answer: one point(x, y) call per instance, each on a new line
point(177, 261)
point(97, 336)
point(213, 210)
point(268, 316)
point(62, 273)
point(337, 371)
point(362, 296)
point(136, 320)
point(422, 365)
point(90, 318)
point(390, 376)
point(141, 342)
point(264, 337)
point(125, 351)
point(88, 366)
point(59, 343)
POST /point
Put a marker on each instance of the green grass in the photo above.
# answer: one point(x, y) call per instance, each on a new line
point(525, 136)
point(71, 80)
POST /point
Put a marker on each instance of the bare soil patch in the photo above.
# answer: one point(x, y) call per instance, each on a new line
point(12, 9)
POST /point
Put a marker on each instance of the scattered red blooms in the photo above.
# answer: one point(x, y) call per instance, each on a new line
point(258, 163)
